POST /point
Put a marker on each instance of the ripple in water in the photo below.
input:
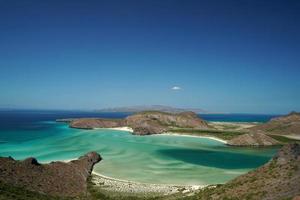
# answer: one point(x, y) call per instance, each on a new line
point(151, 159)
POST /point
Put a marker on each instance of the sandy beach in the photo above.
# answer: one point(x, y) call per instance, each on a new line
point(196, 136)
point(233, 125)
point(125, 186)
point(124, 128)
point(295, 137)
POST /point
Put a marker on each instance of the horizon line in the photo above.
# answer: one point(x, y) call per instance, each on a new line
point(98, 111)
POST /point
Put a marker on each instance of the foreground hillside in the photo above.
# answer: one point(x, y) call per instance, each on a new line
point(54, 179)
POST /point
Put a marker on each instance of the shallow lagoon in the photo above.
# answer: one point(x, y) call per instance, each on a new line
point(151, 159)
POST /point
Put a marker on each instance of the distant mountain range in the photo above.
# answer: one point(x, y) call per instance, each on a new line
point(162, 108)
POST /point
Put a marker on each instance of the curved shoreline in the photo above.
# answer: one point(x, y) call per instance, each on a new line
point(128, 129)
point(126, 186)
point(195, 136)
point(124, 128)
point(136, 182)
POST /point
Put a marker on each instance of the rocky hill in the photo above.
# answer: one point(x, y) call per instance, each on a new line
point(253, 139)
point(285, 125)
point(154, 122)
point(276, 180)
point(144, 123)
point(54, 179)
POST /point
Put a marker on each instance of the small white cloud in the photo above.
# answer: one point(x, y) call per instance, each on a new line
point(176, 88)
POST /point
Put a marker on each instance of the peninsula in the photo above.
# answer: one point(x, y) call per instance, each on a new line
point(143, 123)
point(189, 123)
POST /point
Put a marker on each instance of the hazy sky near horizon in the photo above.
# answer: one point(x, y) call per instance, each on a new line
point(224, 56)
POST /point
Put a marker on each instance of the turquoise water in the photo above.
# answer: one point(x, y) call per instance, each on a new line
point(151, 159)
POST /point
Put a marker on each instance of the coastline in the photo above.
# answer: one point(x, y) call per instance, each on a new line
point(123, 186)
point(128, 129)
point(111, 184)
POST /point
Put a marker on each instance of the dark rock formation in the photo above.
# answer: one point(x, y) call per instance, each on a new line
point(55, 179)
point(253, 139)
point(285, 125)
point(144, 123)
point(278, 179)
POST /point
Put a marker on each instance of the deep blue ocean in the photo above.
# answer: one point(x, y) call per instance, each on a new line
point(238, 117)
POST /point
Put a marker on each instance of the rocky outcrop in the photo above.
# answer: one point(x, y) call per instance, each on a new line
point(285, 125)
point(144, 123)
point(278, 179)
point(253, 139)
point(54, 179)
point(90, 123)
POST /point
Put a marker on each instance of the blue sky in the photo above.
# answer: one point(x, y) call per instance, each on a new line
point(224, 56)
